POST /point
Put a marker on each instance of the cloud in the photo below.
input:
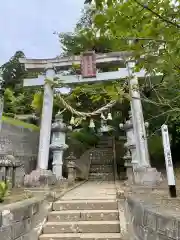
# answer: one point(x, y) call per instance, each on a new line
point(29, 26)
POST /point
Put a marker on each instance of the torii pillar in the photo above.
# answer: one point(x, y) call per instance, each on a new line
point(138, 120)
point(143, 174)
point(43, 176)
point(46, 120)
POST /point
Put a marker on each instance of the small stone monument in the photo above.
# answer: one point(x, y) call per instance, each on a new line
point(71, 165)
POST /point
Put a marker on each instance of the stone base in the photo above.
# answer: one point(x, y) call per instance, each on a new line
point(40, 177)
point(147, 176)
point(130, 174)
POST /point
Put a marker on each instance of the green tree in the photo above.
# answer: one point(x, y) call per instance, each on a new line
point(150, 30)
point(17, 100)
point(13, 71)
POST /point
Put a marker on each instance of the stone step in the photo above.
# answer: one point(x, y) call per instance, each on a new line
point(101, 176)
point(111, 179)
point(106, 138)
point(85, 205)
point(101, 168)
point(102, 155)
point(104, 145)
point(101, 151)
point(102, 162)
point(81, 236)
point(83, 215)
point(82, 227)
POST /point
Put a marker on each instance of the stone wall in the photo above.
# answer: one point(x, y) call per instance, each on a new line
point(152, 217)
point(23, 220)
point(20, 142)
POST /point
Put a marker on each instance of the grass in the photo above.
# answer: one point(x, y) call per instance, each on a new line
point(19, 123)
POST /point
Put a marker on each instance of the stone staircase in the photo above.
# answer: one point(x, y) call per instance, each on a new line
point(102, 165)
point(83, 219)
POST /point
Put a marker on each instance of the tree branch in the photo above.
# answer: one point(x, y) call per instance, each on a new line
point(164, 113)
point(141, 39)
point(158, 15)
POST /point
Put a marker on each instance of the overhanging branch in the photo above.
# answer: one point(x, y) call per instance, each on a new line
point(158, 15)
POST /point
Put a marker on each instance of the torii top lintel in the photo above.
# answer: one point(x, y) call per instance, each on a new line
point(63, 63)
point(117, 59)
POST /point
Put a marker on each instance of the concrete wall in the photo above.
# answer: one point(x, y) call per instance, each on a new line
point(150, 219)
point(20, 142)
point(23, 220)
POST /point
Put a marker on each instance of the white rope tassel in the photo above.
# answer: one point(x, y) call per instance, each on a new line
point(109, 116)
point(91, 124)
point(72, 121)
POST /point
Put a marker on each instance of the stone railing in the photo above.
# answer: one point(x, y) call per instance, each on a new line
point(152, 216)
point(23, 220)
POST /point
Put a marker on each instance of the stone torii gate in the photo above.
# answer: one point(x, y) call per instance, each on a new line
point(125, 69)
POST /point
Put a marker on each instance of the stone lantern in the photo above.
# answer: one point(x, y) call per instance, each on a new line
point(58, 144)
point(11, 171)
point(130, 144)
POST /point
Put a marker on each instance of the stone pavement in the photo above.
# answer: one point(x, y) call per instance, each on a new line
point(92, 190)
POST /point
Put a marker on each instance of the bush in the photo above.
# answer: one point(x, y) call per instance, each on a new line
point(156, 151)
point(3, 190)
point(85, 137)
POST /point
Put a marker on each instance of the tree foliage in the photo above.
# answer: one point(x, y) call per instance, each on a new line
point(150, 30)
point(13, 71)
point(17, 100)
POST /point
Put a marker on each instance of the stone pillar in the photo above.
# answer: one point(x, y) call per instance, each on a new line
point(71, 172)
point(138, 120)
point(71, 166)
point(9, 176)
point(128, 164)
point(19, 173)
point(2, 173)
point(44, 141)
point(58, 145)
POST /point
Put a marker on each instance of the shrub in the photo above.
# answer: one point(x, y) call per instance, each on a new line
point(3, 190)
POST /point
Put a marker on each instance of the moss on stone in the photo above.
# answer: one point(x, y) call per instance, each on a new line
point(19, 123)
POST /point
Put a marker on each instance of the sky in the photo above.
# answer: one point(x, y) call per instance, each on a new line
point(28, 25)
